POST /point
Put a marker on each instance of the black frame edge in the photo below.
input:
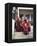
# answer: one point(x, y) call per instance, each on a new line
point(6, 23)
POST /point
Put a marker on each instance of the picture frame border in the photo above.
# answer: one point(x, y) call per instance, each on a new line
point(8, 22)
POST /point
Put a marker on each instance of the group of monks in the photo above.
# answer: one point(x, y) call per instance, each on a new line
point(22, 25)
